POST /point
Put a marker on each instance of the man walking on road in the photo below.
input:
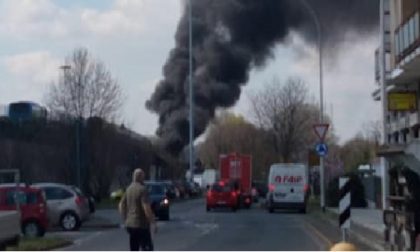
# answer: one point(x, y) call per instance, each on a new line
point(137, 213)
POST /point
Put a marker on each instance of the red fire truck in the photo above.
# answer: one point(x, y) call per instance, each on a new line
point(237, 169)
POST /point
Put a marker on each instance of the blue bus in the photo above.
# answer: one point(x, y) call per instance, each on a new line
point(23, 111)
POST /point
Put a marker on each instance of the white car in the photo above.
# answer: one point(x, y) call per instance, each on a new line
point(67, 206)
point(288, 187)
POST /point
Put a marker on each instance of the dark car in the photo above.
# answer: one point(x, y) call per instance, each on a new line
point(170, 189)
point(158, 199)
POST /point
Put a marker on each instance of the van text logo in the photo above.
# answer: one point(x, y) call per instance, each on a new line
point(288, 179)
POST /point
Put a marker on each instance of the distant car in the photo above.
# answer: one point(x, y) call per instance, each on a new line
point(181, 189)
point(196, 189)
point(67, 206)
point(222, 194)
point(170, 189)
point(159, 200)
point(32, 204)
point(254, 194)
point(261, 187)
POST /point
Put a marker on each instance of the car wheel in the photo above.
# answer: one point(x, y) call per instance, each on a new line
point(208, 208)
point(234, 209)
point(303, 210)
point(69, 221)
point(32, 229)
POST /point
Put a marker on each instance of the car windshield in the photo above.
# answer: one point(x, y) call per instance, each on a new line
point(221, 188)
point(156, 189)
point(101, 96)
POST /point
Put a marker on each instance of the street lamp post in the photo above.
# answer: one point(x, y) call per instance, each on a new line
point(191, 95)
point(65, 69)
point(321, 96)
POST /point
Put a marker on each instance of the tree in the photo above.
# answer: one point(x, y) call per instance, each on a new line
point(372, 131)
point(85, 89)
point(285, 111)
point(232, 133)
point(357, 151)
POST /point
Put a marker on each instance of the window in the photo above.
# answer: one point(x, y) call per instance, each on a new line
point(55, 193)
point(218, 188)
point(406, 37)
point(77, 191)
point(417, 26)
point(12, 195)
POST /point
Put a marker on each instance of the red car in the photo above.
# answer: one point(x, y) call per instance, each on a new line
point(222, 194)
point(32, 204)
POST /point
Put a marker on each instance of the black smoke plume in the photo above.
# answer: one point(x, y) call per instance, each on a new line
point(230, 37)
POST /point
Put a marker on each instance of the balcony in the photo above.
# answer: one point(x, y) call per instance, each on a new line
point(407, 51)
point(407, 37)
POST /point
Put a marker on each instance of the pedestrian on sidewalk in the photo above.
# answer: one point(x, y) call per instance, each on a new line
point(137, 213)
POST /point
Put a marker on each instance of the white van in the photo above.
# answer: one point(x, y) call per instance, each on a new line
point(288, 187)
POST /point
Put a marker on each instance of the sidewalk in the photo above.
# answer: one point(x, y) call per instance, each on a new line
point(367, 225)
point(368, 218)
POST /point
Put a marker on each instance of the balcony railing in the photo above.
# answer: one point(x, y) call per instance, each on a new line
point(407, 37)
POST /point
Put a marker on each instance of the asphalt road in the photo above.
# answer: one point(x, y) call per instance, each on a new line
point(192, 228)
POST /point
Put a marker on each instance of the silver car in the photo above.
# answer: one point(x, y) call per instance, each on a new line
point(67, 206)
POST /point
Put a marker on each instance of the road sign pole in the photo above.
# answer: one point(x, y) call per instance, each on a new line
point(322, 182)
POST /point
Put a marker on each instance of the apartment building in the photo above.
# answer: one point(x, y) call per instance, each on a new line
point(397, 76)
point(398, 70)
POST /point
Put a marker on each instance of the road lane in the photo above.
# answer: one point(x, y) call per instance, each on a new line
point(192, 228)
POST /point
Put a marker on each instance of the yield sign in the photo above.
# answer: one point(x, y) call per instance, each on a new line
point(321, 130)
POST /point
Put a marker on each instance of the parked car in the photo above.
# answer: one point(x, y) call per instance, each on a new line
point(222, 194)
point(32, 205)
point(10, 229)
point(159, 200)
point(67, 206)
point(90, 199)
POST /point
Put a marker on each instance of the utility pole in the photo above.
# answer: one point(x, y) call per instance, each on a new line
point(321, 96)
point(191, 94)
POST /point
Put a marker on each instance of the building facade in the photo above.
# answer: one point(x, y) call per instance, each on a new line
point(397, 76)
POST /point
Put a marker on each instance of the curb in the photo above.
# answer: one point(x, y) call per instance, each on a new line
point(358, 231)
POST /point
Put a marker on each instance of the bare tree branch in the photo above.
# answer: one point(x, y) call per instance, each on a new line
point(85, 90)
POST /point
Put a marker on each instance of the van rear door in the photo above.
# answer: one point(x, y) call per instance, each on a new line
point(289, 184)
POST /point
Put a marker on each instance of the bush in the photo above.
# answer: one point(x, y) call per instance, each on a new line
point(357, 192)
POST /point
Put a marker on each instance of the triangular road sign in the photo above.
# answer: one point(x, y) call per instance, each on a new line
point(321, 130)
